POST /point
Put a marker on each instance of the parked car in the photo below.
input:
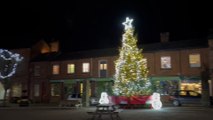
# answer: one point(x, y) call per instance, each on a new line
point(181, 97)
point(15, 99)
point(93, 101)
point(211, 100)
point(74, 97)
point(24, 101)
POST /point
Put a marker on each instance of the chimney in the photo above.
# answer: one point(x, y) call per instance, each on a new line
point(164, 37)
point(54, 46)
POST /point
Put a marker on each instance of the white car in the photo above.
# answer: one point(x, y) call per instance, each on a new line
point(94, 101)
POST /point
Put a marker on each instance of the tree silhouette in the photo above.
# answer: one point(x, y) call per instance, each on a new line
point(205, 76)
point(8, 64)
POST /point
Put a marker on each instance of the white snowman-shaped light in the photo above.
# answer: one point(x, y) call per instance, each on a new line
point(156, 103)
point(104, 98)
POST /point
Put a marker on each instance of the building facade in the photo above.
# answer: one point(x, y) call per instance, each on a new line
point(50, 75)
point(172, 65)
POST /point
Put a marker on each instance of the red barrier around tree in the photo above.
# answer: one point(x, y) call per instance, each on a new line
point(130, 100)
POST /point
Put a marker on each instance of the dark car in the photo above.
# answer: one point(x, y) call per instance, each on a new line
point(14, 99)
point(185, 97)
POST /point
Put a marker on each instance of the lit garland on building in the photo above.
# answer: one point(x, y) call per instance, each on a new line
point(130, 68)
point(8, 67)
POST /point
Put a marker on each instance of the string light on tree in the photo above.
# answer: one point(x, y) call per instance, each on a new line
point(9, 62)
point(130, 68)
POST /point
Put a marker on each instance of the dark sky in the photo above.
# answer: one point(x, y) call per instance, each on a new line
point(80, 25)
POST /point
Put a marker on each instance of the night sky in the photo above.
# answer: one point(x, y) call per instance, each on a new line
point(80, 25)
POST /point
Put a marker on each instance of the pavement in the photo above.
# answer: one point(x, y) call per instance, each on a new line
point(54, 112)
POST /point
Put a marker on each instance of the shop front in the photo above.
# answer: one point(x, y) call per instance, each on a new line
point(166, 84)
point(191, 83)
point(64, 89)
point(74, 88)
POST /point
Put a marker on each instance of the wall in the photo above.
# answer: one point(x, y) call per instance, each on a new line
point(179, 59)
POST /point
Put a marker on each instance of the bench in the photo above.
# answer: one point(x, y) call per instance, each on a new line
point(111, 113)
point(70, 103)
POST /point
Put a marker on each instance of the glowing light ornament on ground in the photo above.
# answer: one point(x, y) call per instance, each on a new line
point(104, 98)
point(156, 103)
point(11, 61)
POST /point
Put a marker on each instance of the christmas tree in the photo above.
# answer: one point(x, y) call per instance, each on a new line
point(130, 68)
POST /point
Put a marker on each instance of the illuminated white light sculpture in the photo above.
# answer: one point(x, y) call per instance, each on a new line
point(156, 103)
point(9, 56)
point(128, 23)
point(104, 98)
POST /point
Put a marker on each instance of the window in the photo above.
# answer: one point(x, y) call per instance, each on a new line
point(37, 70)
point(16, 90)
point(193, 93)
point(36, 90)
point(103, 68)
point(182, 93)
point(55, 69)
point(70, 68)
point(194, 60)
point(103, 65)
point(166, 62)
point(55, 89)
point(85, 67)
point(81, 89)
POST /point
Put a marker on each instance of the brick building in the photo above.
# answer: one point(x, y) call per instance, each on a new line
point(50, 75)
point(172, 65)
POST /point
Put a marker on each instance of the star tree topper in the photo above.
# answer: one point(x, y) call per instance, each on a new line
point(128, 23)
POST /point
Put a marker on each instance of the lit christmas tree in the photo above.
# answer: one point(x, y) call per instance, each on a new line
point(130, 68)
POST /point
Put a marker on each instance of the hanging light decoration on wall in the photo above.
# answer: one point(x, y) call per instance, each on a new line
point(9, 62)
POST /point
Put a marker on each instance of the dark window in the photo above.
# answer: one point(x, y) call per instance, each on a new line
point(103, 68)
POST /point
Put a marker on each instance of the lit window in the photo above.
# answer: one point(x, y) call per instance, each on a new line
point(103, 68)
point(81, 88)
point(166, 62)
point(194, 60)
point(103, 65)
point(70, 68)
point(37, 70)
point(55, 69)
point(85, 67)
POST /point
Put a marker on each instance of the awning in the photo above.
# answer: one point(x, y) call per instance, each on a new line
point(56, 81)
point(73, 80)
point(162, 78)
point(66, 80)
point(183, 79)
point(191, 79)
point(102, 79)
point(80, 80)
